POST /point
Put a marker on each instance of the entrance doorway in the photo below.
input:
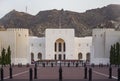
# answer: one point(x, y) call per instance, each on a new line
point(60, 49)
point(59, 57)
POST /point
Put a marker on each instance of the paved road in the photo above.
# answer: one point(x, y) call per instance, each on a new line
point(62, 80)
point(51, 74)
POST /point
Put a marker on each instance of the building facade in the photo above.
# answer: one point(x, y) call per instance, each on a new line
point(18, 40)
point(59, 44)
point(102, 39)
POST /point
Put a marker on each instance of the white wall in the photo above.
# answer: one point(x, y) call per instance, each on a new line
point(112, 37)
point(101, 43)
point(82, 45)
point(17, 39)
point(52, 35)
point(37, 45)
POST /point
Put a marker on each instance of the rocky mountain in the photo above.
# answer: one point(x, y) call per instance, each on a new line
point(83, 23)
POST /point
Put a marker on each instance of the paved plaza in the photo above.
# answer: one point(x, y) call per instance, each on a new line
point(49, 73)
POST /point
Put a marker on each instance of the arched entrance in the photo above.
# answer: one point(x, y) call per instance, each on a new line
point(59, 48)
point(79, 56)
point(39, 56)
point(88, 57)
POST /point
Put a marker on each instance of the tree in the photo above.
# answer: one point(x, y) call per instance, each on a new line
point(117, 53)
point(8, 55)
point(111, 55)
point(114, 55)
point(3, 56)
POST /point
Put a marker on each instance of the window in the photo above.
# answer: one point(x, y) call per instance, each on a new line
point(64, 47)
point(55, 47)
point(64, 56)
point(87, 44)
point(79, 56)
point(88, 57)
point(59, 57)
point(55, 57)
point(32, 44)
point(39, 56)
point(60, 46)
point(32, 56)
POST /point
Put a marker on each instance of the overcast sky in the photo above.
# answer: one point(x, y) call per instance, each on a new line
point(34, 6)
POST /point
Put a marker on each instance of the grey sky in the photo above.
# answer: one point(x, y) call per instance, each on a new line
point(34, 6)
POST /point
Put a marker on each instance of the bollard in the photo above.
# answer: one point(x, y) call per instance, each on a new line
point(2, 74)
point(35, 72)
point(90, 74)
point(68, 64)
point(76, 64)
point(30, 74)
point(85, 73)
point(110, 72)
point(43, 64)
point(118, 74)
point(10, 69)
point(84, 64)
point(51, 64)
point(60, 74)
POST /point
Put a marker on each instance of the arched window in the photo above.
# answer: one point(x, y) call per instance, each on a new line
point(64, 47)
point(60, 47)
point(39, 56)
point(88, 57)
point(79, 56)
point(32, 56)
point(59, 57)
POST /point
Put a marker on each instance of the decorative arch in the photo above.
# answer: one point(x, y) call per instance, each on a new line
point(88, 57)
point(80, 56)
point(39, 56)
point(60, 45)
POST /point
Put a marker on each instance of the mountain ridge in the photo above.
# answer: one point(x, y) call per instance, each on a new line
point(83, 23)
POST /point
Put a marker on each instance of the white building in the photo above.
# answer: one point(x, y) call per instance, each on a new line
point(102, 39)
point(37, 48)
point(18, 40)
point(60, 44)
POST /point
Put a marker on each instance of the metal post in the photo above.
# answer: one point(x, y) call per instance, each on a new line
point(60, 73)
point(10, 69)
point(35, 72)
point(30, 74)
point(90, 74)
point(76, 64)
point(110, 72)
point(2, 74)
point(118, 74)
point(85, 73)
